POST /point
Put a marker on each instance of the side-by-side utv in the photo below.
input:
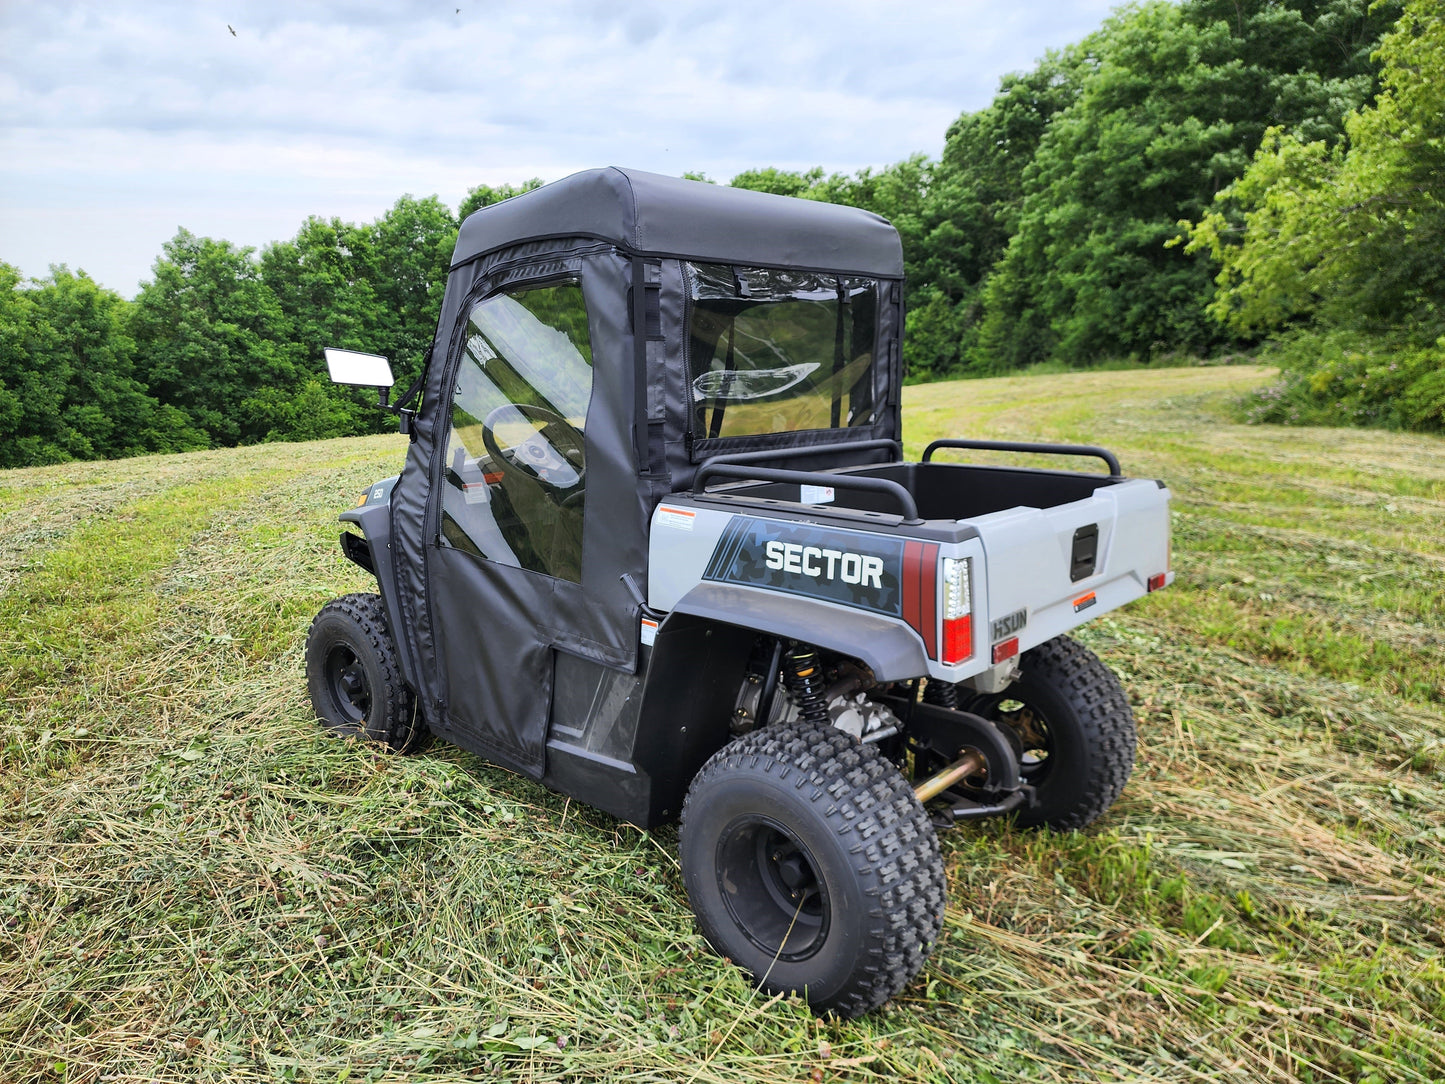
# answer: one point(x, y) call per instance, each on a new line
point(655, 545)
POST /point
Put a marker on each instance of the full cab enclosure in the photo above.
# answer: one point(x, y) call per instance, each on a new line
point(520, 581)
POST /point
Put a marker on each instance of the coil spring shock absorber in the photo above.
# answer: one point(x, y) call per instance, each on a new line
point(943, 694)
point(804, 677)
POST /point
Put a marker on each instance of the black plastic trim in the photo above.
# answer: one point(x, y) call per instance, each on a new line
point(929, 530)
point(891, 650)
point(639, 364)
point(355, 549)
point(763, 455)
point(1090, 450)
point(809, 478)
point(375, 522)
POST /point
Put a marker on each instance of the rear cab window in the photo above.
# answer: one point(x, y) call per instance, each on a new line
point(774, 351)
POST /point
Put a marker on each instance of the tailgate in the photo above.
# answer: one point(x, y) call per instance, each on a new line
point(1049, 570)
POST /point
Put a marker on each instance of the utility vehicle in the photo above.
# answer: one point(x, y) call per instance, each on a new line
point(656, 545)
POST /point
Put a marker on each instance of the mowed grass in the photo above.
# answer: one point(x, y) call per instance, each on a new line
point(197, 884)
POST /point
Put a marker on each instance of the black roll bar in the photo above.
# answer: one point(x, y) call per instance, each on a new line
point(808, 478)
point(1015, 446)
point(766, 454)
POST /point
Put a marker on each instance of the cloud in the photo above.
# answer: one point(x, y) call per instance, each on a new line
point(156, 111)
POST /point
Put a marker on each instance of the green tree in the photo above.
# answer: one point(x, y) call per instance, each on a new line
point(1346, 239)
point(32, 392)
point(68, 388)
point(1350, 232)
point(485, 195)
point(375, 287)
point(779, 182)
point(213, 340)
point(972, 208)
point(1171, 102)
point(409, 254)
point(323, 284)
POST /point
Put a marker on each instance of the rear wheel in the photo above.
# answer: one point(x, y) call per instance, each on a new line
point(1073, 729)
point(354, 677)
point(810, 864)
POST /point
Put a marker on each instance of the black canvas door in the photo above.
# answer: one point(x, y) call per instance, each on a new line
point(511, 494)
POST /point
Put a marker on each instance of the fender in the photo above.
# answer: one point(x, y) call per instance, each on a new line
point(889, 648)
point(374, 555)
point(694, 671)
point(684, 704)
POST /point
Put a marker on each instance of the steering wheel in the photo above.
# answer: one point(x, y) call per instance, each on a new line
point(553, 454)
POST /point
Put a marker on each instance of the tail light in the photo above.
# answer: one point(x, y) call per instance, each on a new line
point(957, 611)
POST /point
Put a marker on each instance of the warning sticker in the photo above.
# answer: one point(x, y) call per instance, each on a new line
point(649, 632)
point(679, 519)
point(476, 492)
point(817, 495)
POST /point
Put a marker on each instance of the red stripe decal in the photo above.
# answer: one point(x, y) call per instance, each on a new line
point(912, 551)
point(928, 596)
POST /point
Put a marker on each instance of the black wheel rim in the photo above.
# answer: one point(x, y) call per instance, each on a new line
point(1029, 728)
point(347, 683)
point(769, 880)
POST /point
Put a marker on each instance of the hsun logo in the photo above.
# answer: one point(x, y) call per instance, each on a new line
point(1006, 626)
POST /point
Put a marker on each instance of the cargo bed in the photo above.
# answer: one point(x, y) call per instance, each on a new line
point(1050, 549)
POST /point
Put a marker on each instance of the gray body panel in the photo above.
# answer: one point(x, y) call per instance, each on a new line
point(1019, 568)
point(1027, 553)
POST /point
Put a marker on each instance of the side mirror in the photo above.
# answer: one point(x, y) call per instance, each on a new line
point(365, 370)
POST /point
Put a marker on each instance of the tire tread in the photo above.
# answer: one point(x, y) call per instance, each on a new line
point(880, 823)
point(1103, 713)
point(365, 611)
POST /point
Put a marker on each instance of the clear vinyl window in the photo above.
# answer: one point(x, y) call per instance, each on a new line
point(779, 351)
point(514, 484)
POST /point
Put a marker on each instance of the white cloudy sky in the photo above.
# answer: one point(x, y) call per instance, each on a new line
point(121, 120)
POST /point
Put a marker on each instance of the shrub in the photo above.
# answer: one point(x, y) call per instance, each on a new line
point(1348, 378)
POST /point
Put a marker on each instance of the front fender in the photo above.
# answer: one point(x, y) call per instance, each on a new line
point(889, 648)
point(375, 523)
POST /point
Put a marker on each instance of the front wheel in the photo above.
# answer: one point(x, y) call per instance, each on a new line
point(354, 676)
point(1073, 728)
point(810, 864)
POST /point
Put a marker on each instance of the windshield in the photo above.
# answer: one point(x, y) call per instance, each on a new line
point(779, 351)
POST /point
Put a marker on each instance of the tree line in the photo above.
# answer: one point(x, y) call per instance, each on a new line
point(1190, 180)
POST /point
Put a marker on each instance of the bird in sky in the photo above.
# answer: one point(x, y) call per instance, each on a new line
point(232, 29)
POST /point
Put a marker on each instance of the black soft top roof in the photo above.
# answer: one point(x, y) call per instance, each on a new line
point(652, 215)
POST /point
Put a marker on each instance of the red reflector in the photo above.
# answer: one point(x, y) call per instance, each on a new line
point(957, 639)
point(1006, 650)
point(1156, 581)
point(492, 477)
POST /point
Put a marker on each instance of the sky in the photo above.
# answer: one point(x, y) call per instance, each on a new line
point(122, 120)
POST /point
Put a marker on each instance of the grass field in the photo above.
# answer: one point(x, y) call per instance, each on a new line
point(198, 885)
